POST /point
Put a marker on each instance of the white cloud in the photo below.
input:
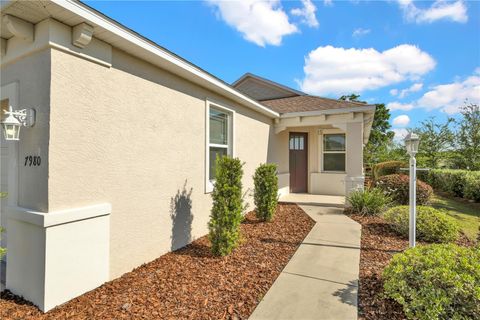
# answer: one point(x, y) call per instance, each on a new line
point(450, 97)
point(400, 134)
point(440, 9)
point(332, 70)
point(327, 3)
point(413, 88)
point(394, 92)
point(360, 32)
point(307, 13)
point(261, 22)
point(401, 121)
point(393, 106)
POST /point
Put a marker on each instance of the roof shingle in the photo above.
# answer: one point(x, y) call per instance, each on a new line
point(308, 103)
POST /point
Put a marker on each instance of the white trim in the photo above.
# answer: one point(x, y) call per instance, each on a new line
point(50, 219)
point(329, 111)
point(231, 137)
point(145, 45)
point(344, 152)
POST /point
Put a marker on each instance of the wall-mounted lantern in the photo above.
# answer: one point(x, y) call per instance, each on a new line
point(15, 120)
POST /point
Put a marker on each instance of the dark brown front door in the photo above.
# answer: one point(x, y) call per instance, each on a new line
point(297, 144)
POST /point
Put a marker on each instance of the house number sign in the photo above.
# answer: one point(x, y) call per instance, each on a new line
point(32, 161)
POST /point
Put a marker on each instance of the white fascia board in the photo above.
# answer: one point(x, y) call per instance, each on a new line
point(367, 108)
point(142, 44)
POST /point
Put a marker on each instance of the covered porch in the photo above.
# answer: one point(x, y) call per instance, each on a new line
point(321, 152)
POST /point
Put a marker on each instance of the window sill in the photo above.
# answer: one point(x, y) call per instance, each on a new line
point(334, 172)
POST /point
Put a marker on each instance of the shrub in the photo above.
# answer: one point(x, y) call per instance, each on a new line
point(226, 214)
point(369, 201)
point(472, 186)
point(432, 225)
point(440, 281)
point(451, 181)
point(387, 168)
point(397, 186)
point(266, 191)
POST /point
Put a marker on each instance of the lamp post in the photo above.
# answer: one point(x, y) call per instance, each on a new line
point(411, 144)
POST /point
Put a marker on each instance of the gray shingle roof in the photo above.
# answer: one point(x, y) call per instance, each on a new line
point(308, 103)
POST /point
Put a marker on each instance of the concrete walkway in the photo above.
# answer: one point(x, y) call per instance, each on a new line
point(321, 279)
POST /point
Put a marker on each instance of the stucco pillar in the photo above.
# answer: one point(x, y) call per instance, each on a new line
point(355, 177)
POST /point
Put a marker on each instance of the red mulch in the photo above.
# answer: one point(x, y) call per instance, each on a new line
point(379, 243)
point(189, 283)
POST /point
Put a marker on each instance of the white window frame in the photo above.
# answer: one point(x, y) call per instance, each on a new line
point(210, 104)
point(326, 152)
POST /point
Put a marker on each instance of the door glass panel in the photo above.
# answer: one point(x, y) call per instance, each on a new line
point(291, 143)
point(214, 154)
point(300, 147)
point(218, 127)
point(334, 162)
point(334, 142)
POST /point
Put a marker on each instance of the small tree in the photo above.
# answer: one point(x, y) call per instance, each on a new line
point(226, 214)
point(436, 140)
point(266, 191)
point(468, 137)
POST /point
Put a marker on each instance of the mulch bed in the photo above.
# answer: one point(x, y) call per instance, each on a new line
point(378, 244)
point(189, 283)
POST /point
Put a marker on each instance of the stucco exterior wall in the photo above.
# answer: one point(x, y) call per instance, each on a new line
point(32, 74)
point(133, 135)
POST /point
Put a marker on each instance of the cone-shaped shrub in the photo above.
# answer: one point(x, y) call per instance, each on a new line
point(266, 191)
point(226, 215)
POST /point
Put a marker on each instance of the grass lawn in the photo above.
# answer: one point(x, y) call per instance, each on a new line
point(467, 214)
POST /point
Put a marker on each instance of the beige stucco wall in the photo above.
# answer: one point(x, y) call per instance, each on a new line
point(134, 136)
point(32, 74)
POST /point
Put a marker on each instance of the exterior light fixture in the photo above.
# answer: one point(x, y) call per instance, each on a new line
point(411, 144)
point(15, 120)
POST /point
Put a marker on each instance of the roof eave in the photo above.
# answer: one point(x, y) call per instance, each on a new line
point(145, 45)
point(366, 108)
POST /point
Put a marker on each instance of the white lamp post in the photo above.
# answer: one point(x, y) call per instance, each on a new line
point(411, 144)
point(15, 120)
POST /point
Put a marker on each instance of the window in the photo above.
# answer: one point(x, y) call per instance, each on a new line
point(219, 139)
point(334, 152)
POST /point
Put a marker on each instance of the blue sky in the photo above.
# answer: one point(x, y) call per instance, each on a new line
point(422, 58)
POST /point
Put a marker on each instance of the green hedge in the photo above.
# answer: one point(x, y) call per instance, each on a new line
point(265, 193)
point(432, 225)
point(386, 168)
point(435, 282)
point(226, 214)
point(460, 183)
point(397, 186)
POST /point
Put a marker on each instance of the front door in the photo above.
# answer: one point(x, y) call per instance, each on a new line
point(298, 143)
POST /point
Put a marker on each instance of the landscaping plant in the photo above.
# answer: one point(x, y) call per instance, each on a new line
point(266, 191)
point(397, 186)
point(460, 183)
point(226, 214)
point(439, 281)
point(368, 201)
point(432, 225)
point(387, 168)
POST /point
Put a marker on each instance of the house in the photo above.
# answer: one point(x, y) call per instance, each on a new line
point(114, 160)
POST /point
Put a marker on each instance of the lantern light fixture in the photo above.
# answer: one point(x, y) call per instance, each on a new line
point(15, 120)
point(411, 143)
